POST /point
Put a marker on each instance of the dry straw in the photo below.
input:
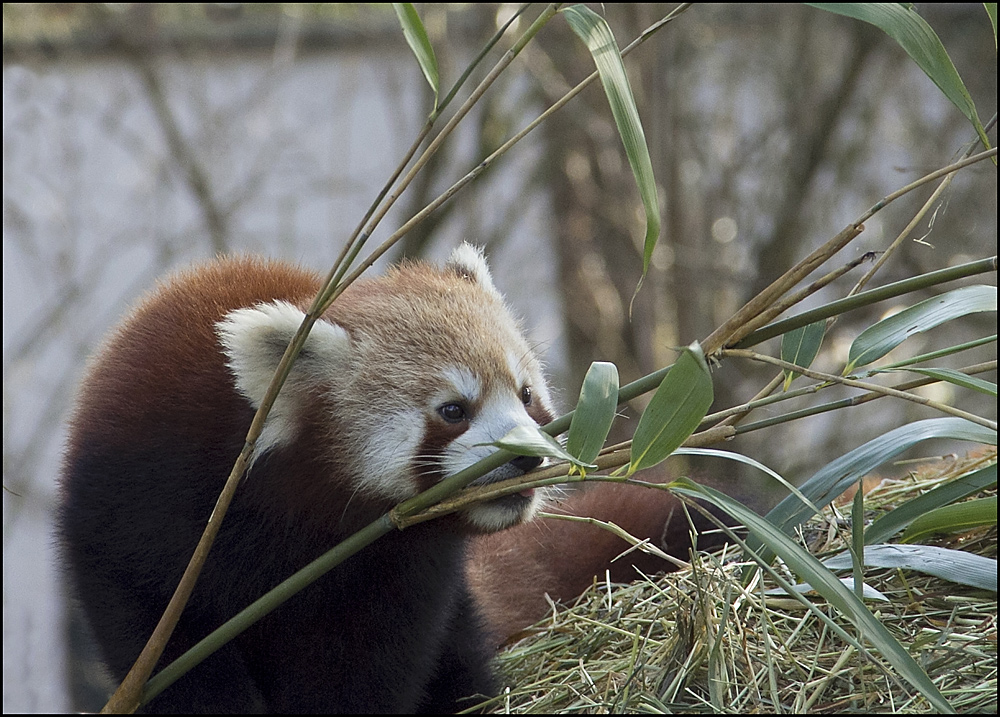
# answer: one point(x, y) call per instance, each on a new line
point(698, 640)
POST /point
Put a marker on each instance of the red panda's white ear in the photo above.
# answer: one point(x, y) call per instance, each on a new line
point(254, 340)
point(468, 261)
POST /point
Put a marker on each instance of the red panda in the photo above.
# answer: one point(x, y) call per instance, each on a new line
point(400, 383)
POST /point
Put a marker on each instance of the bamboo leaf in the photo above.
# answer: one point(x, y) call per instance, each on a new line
point(597, 36)
point(991, 10)
point(956, 566)
point(941, 353)
point(835, 477)
point(901, 516)
point(675, 410)
point(800, 347)
point(594, 413)
point(955, 518)
point(867, 591)
point(902, 23)
point(746, 460)
point(824, 582)
point(881, 338)
point(416, 38)
point(531, 441)
point(959, 379)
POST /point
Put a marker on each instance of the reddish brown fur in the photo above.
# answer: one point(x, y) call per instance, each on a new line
point(122, 380)
point(148, 364)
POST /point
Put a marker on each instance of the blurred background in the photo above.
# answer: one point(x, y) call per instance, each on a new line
point(141, 138)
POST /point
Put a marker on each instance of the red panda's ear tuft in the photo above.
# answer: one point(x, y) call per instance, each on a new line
point(468, 261)
point(254, 340)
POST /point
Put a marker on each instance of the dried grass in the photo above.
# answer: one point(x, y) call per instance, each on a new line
point(698, 641)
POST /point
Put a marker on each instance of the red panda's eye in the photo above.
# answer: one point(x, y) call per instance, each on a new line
point(526, 395)
point(452, 412)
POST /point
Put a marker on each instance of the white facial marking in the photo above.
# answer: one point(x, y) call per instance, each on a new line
point(491, 517)
point(463, 382)
point(388, 454)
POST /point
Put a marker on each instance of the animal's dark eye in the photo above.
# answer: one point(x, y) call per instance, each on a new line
point(452, 412)
point(526, 395)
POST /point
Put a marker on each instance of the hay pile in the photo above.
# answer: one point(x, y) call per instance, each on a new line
point(698, 641)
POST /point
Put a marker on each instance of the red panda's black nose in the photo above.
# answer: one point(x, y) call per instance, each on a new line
point(526, 463)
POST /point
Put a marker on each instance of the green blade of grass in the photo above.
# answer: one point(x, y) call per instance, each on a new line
point(835, 477)
point(991, 10)
point(930, 356)
point(898, 518)
point(746, 460)
point(959, 379)
point(956, 566)
point(955, 518)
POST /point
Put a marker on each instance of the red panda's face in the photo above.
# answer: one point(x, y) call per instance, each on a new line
point(471, 412)
point(415, 371)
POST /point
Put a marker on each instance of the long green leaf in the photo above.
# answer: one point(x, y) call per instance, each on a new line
point(956, 566)
point(959, 379)
point(675, 410)
point(416, 38)
point(955, 518)
point(881, 338)
point(901, 516)
point(931, 355)
point(595, 411)
point(746, 460)
point(824, 582)
point(991, 10)
point(800, 347)
point(867, 591)
point(902, 23)
point(597, 36)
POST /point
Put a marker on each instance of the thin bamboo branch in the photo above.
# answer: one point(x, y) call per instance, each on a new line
point(854, 400)
point(938, 191)
point(865, 298)
point(875, 388)
point(336, 284)
point(788, 302)
point(736, 328)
